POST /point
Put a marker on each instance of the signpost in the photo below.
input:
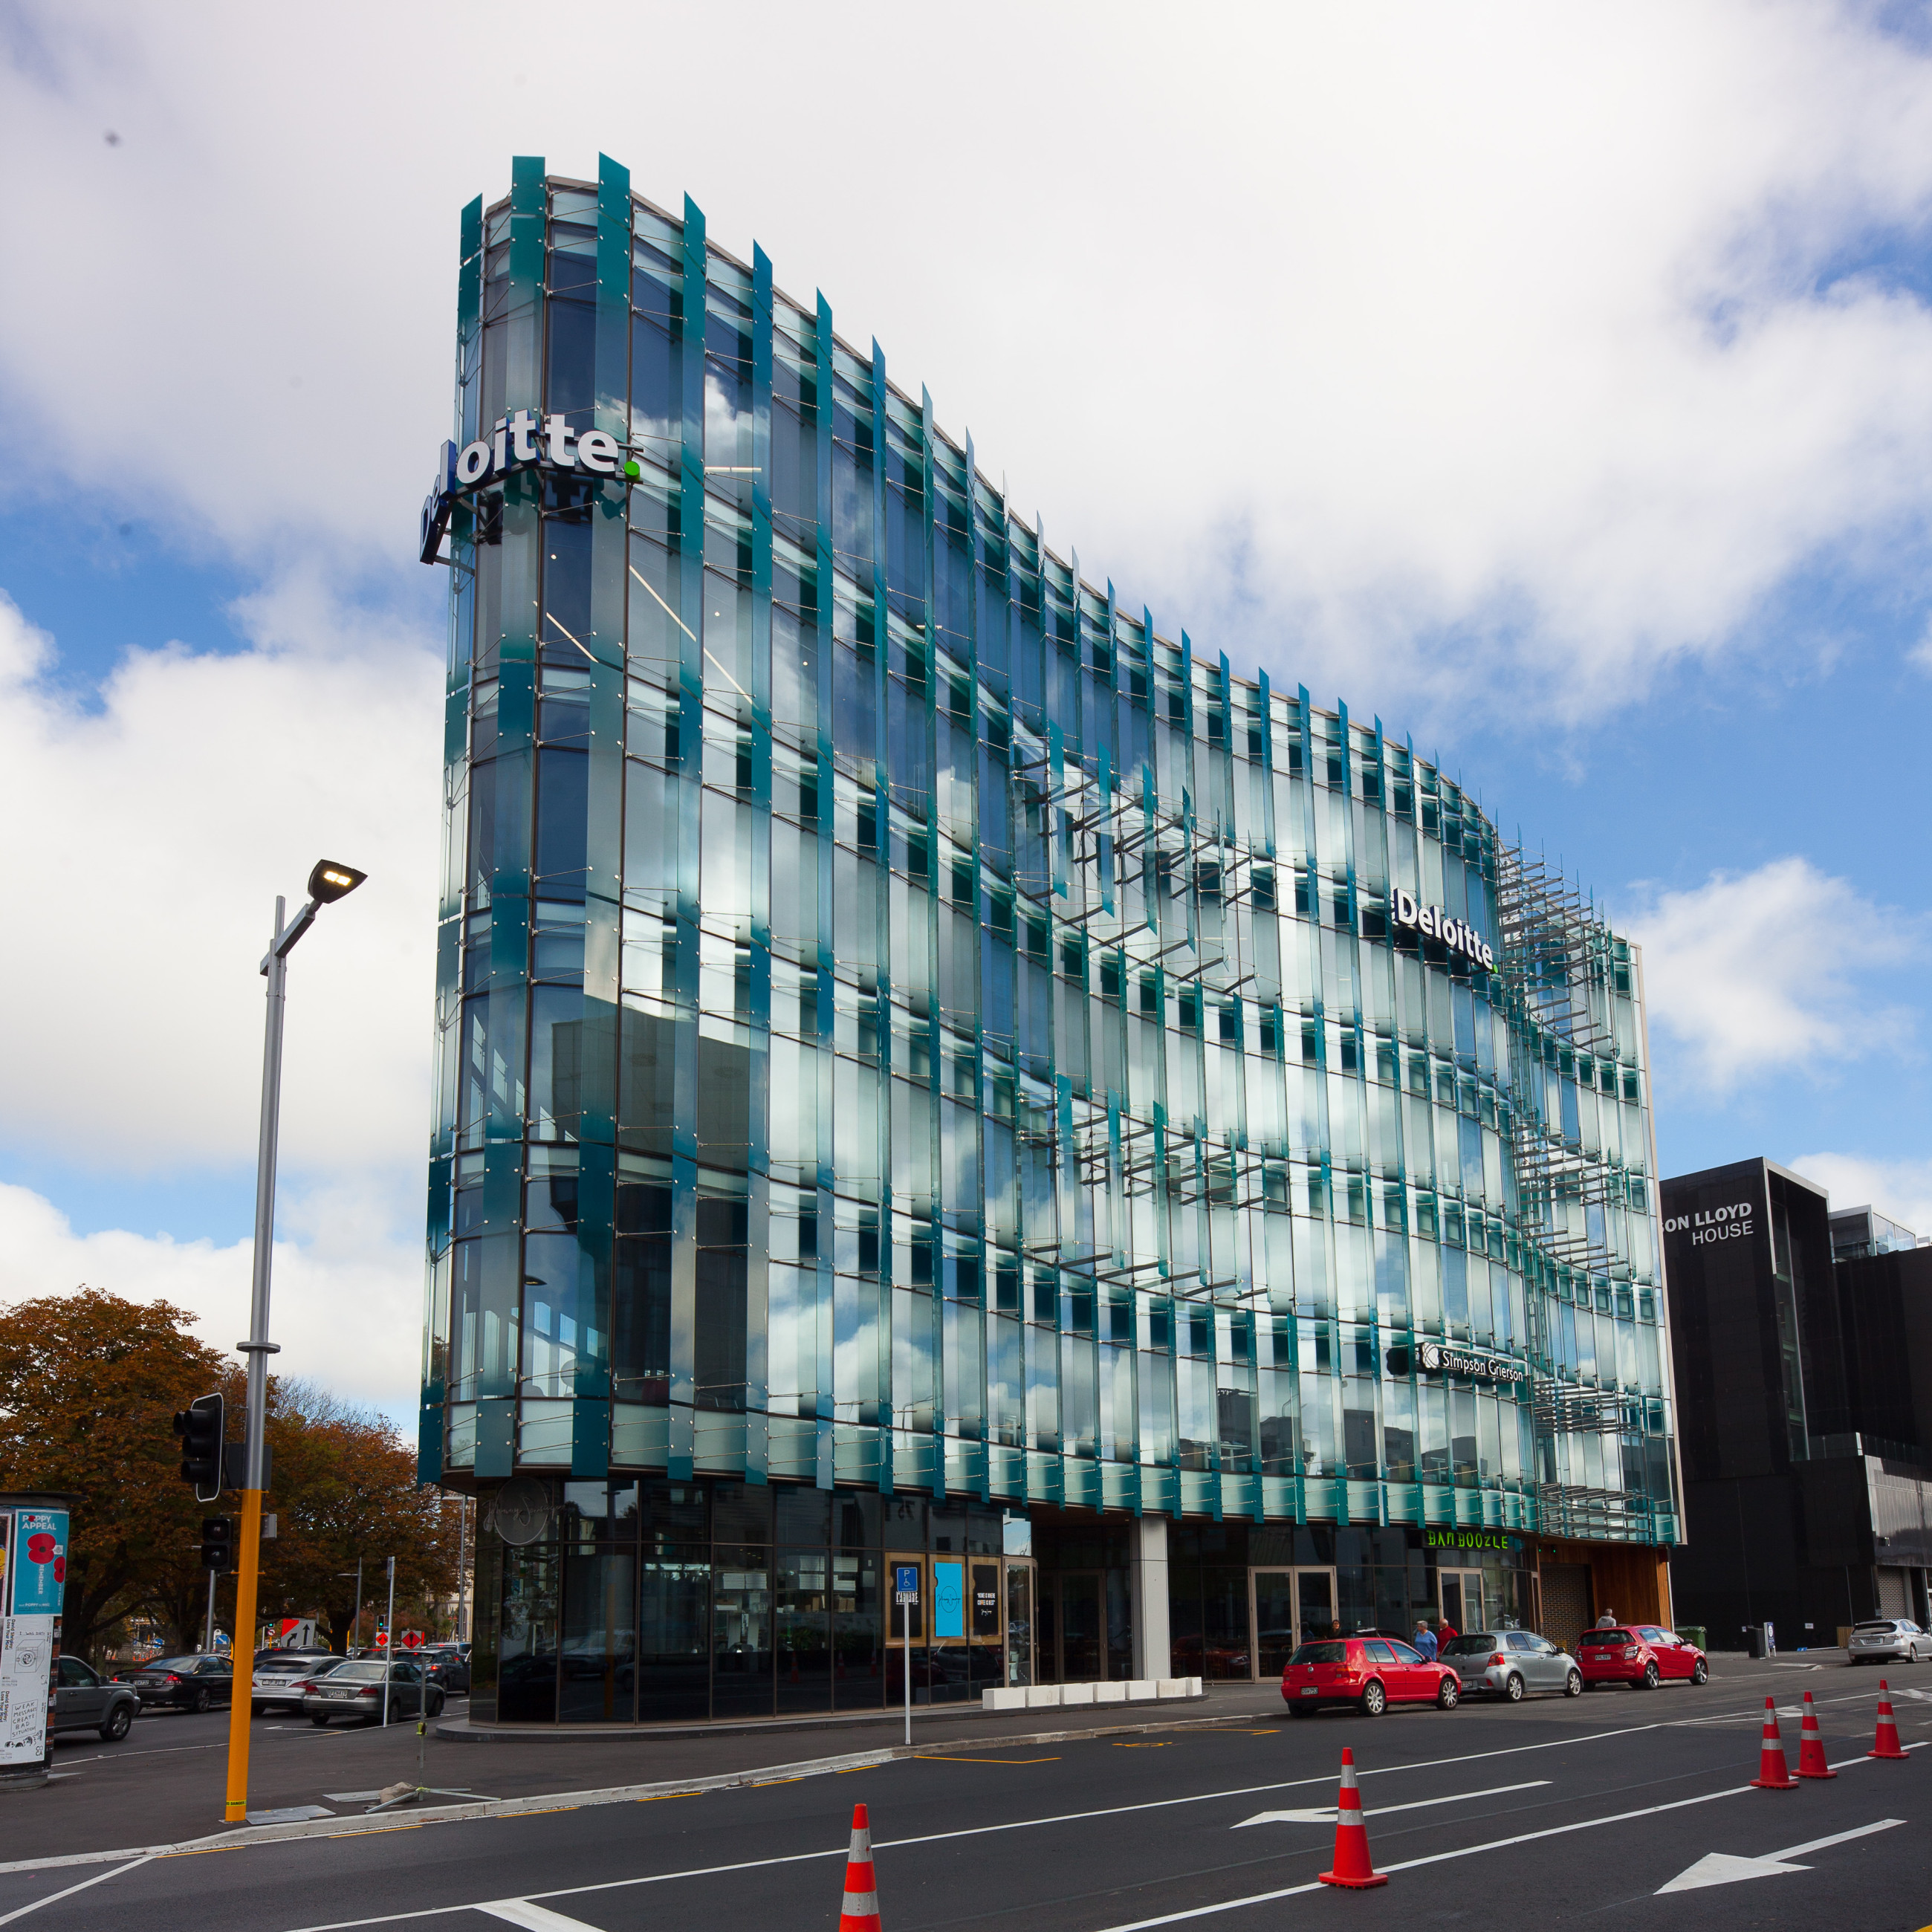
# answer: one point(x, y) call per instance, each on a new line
point(905, 1594)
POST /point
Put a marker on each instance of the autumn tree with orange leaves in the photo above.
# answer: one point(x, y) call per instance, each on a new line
point(89, 1384)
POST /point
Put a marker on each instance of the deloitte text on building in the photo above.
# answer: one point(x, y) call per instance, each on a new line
point(935, 1069)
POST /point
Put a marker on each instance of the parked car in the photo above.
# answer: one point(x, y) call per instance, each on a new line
point(84, 1700)
point(191, 1683)
point(282, 1678)
point(354, 1689)
point(1369, 1673)
point(1512, 1665)
point(1888, 1640)
point(448, 1665)
point(1641, 1655)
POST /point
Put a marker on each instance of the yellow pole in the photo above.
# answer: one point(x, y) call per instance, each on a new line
point(241, 1654)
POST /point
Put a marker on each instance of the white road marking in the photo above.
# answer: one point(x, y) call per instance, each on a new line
point(1325, 1815)
point(54, 1897)
point(1723, 1868)
point(533, 1918)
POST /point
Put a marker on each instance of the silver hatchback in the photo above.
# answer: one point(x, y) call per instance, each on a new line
point(1512, 1665)
point(1888, 1640)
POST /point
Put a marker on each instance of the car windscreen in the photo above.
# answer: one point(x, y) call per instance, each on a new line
point(1612, 1636)
point(1320, 1653)
point(176, 1663)
point(1886, 1628)
point(1468, 1645)
point(358, 1672)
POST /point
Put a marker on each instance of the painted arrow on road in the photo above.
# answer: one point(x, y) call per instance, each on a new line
point(1324, 1814)
point(1723, 1868)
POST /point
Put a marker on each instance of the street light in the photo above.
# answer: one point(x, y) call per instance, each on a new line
point(327, 883)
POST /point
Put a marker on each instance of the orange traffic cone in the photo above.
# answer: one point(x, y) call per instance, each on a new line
point(1773, 1774)
point(1887, 1745)
point(1352, 1836)
point(859, 1911)
point(1811, 1746)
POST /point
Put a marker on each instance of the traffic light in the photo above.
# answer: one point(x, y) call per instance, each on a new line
point(201, 1426)
point(217, 1543)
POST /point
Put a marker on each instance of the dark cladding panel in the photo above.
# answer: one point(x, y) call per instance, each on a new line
point(1723, 1322)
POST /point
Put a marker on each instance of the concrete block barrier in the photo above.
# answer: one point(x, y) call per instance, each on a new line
point(1121, 1691)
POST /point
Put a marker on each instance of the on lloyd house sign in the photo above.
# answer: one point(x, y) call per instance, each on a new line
point(1714, 1224)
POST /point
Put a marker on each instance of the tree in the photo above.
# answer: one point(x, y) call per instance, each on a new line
point(346, 1487)
point(89, 1383)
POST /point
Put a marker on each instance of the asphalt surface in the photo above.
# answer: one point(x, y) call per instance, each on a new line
point(1550, 1813)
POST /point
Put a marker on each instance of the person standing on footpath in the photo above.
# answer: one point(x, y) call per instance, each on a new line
point(1446, 1633)
point(1425, 1639)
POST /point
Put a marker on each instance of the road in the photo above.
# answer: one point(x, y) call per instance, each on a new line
point(1549, 1813)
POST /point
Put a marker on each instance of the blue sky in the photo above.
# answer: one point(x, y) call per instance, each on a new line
point(1560, 389)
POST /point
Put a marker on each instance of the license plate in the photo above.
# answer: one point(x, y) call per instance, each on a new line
point(1309, 1691)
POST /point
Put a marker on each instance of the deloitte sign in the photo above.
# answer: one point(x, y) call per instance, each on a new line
point(1432, 922)
point(522, 440)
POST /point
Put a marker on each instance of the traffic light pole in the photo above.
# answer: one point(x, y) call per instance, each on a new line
point(208, 1622)
point(258, 1348)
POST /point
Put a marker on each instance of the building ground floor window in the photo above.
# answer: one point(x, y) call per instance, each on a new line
point(656, 1602)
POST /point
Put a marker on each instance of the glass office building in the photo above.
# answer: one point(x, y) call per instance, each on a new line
point(935, 1066)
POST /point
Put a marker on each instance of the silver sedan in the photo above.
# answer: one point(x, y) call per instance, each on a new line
point(1888, 1640)
point(1512, 1665)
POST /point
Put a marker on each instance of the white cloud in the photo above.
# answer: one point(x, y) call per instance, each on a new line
point(152, 835)
point(1901, 1190)
point(1332, 332)
point(1754, 975)
point(347, 1295)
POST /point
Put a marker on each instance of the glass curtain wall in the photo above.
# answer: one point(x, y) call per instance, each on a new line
point(906, 1021)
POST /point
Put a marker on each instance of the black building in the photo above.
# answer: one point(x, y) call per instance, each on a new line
point(1804, 1401)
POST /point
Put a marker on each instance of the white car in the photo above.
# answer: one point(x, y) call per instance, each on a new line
point(282, 1678)
point(1888, 1640)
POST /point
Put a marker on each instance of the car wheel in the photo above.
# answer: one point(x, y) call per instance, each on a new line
point(1512, 1688)
point(1448, 1694)
point(1700, 1672)
point(321, 1723)
point(255, 1710)
point(197, 1702)
point(1573, 1684)
point(1650, 1679)
point(120, 1721)
point(1375, 1698)
point(435, 1709)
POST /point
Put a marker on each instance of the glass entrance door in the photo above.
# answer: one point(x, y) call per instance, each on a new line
point(1271, 1617)
point(1461, 1595)
point(1020, 1585)
point(1083, 1634)
point(1287, 1607)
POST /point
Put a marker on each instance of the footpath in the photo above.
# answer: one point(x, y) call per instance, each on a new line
point(162, 1790)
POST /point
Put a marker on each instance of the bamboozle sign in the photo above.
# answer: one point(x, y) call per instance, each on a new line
point(1714, 1224)
point(1432, 922)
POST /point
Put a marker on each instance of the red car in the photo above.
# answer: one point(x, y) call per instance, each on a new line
point(1642, 1654)
point(1370, 1672)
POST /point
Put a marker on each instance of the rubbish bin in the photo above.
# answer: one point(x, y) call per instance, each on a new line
point(1754, 1639)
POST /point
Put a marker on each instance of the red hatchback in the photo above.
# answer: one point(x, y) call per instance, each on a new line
point(1642, 1654)
point(1370, 1672)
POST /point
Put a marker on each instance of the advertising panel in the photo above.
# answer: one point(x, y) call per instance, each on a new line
point(34, 1577)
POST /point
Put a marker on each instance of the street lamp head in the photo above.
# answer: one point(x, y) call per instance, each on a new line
point(330, 881)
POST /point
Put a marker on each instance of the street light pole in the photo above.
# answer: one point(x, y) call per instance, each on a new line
point(327, 883)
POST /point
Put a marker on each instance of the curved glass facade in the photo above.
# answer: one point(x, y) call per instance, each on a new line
point(909, 1025)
